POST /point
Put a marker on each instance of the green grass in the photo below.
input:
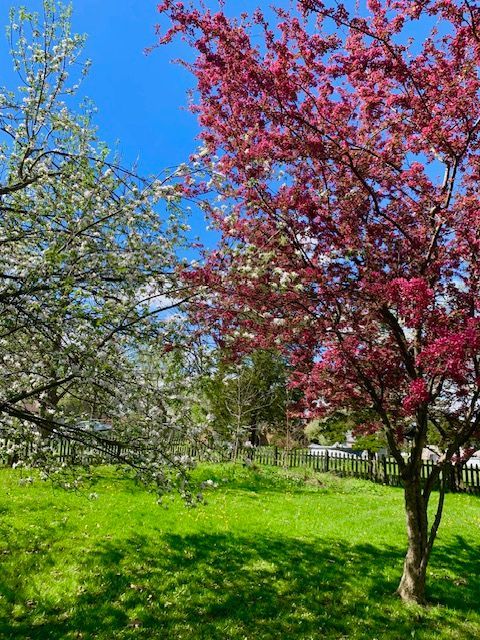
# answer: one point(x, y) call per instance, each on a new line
point(269, 556)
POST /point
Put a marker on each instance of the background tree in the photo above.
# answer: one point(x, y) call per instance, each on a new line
point(249, 399)
point(348, 170)
point(87, 266)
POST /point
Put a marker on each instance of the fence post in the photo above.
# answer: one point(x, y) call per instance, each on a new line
point(326, 460)
point(452, 483)
point(370, 467)
point(385, 474)
point(276, 456)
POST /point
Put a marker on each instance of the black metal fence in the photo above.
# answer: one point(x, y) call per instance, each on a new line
point(62, 449)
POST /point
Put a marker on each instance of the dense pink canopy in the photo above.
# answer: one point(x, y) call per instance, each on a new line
point(343, 164)
point(347, 158)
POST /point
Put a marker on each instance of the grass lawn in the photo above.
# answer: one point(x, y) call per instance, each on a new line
point(269, 556)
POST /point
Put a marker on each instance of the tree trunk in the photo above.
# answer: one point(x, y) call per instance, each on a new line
point(457, 474)
point(254, 436)
point(412, 584)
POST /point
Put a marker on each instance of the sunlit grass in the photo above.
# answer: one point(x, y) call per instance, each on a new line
point(271, 555)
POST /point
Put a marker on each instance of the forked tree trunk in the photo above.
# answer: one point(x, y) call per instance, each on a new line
point(412, 584)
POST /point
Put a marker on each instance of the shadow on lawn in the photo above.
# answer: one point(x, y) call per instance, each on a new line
point(226, 587)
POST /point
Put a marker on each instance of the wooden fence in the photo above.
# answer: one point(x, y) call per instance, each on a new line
point(383, 470)
point(62, 450)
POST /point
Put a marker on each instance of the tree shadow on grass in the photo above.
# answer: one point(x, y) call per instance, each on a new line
point(455, 575)
point(232, 587)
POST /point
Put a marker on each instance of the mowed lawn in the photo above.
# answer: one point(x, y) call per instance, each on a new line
point(271, 555)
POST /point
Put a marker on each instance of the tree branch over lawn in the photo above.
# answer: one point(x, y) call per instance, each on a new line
point(88, 268)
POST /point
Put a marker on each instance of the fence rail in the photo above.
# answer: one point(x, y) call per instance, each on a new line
point(62, 450)
point(383, 470)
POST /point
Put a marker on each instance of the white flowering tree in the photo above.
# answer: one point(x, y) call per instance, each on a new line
point(87, 268)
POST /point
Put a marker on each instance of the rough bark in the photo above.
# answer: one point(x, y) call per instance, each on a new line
point(420, 538)
point(254, 431)
point(412, 583)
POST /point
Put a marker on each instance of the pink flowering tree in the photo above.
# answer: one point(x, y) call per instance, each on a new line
point(342, 157)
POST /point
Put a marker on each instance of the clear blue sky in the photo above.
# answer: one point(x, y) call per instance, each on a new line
point(141, 99)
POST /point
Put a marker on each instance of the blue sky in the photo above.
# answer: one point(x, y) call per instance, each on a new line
point(141, 99)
